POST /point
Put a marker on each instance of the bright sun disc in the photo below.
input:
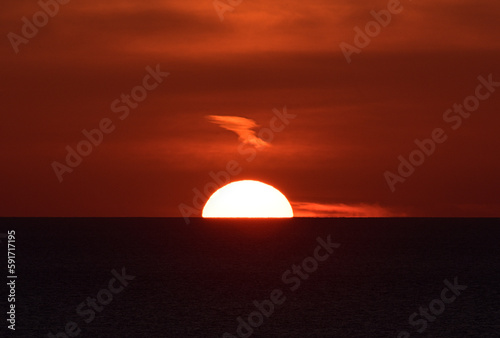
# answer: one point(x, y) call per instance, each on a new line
point(247, 198)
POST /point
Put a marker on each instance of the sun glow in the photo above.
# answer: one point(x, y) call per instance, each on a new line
point(247, 199)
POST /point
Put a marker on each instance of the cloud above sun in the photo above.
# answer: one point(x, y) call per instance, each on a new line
point(242, 126)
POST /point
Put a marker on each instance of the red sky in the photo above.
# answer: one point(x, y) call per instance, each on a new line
point(352, 120)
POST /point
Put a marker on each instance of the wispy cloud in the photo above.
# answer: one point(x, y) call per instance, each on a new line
point(242, 126)
point(307, 209)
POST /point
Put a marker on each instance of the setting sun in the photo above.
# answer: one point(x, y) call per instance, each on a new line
point(247, 199)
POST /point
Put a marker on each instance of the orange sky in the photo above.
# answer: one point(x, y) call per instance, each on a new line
point(352, 120)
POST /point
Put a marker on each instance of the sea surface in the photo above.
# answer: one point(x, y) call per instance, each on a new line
point(311, 277)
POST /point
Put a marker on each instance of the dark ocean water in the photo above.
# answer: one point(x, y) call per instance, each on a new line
point(196, 280)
